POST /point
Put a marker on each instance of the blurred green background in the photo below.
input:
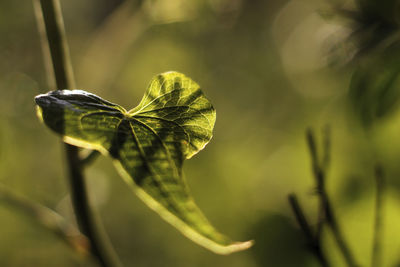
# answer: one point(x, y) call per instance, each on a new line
point(269, 70)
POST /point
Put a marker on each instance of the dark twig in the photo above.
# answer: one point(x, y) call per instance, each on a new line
point(313, 243)
point(377, 241)
point(320, 220)
point(55, 32)
point(326, 145)
point(337, 233)
point(90, 158)
point(330, 218)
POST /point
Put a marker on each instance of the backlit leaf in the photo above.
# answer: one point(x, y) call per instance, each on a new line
point(149, 143)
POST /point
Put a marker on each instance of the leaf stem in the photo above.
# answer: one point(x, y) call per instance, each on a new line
point(324, 165)
point(377, 241)
point(319, 174)
point(57, 43)
point(62, 68)
point(90, 158)
point(313, 242)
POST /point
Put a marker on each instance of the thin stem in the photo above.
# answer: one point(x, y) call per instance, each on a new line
point(314, 244)
point(90, 157)
point(312, 146)
point(337, 233)
point(100, 246)
point(59, 53)
point(44, 44)
point(326, 149)
point(320, 221)
point(377, 241)
point(319, 174)
point(48, 219)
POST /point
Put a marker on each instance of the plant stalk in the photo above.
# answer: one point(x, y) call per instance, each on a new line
point(313, 242)
point(319, 174)
point(100, 246)
point(337, 233)
point(90, 157)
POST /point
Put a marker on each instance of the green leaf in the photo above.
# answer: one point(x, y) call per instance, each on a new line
point(149, 143)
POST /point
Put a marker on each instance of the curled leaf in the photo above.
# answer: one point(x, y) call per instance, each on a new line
point(148, 145)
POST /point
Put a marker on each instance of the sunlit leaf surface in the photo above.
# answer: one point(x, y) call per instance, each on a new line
point(149, 143)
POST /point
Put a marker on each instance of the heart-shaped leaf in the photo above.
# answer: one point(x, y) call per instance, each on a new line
point(149, 143)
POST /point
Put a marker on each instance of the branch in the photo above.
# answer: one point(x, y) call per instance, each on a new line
point(90, 157)
point(319, 174)
point(53, 21)
point(314, 244)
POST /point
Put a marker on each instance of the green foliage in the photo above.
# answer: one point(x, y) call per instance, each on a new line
point(383, 12)
point(375, 89)
point(148, 145)
point(374, 25)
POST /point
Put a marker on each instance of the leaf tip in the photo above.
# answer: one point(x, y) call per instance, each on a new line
point(235, 247)
point(42, 100)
